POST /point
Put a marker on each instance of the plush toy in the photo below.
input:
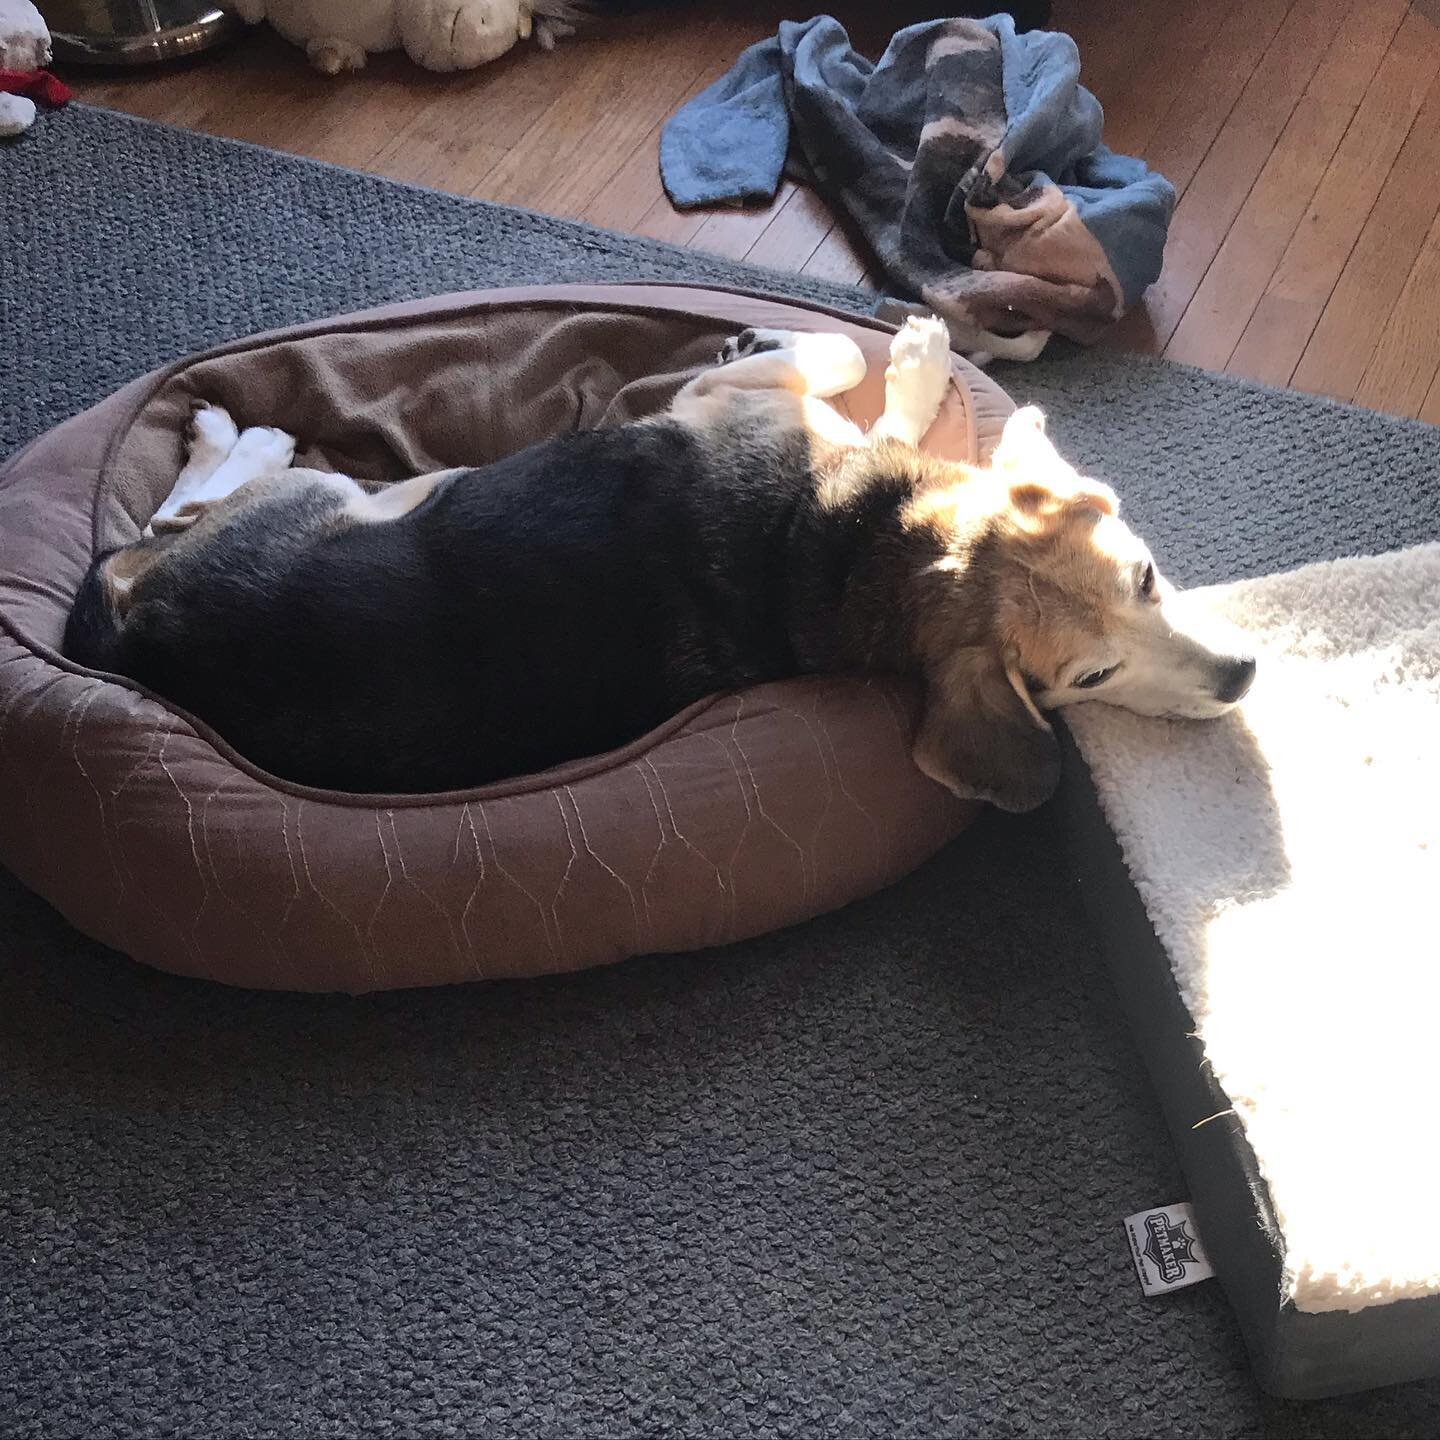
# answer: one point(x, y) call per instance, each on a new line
point(24, 53)
point(24, 37)
point(438, 34)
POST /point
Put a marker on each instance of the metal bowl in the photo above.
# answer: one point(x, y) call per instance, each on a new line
point(135, 32)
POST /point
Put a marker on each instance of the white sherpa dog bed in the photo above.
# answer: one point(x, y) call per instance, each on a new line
point(1288, 858)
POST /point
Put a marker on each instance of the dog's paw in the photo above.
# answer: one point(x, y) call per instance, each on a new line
point(753, 342)
point(918, 375)
point(916, 379)
point(920, 344)
point(171, 522)
point(265, 448)
point(210, 434)
point(1023, 348)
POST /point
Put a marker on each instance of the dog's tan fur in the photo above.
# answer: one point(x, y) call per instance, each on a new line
point(1033, 578)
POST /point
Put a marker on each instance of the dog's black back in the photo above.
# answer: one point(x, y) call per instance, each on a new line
point(555, 604)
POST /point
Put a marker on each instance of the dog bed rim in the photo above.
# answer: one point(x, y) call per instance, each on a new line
point(568, 773)
point(387, 317)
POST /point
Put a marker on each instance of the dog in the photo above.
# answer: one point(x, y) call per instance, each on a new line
point(458, 628)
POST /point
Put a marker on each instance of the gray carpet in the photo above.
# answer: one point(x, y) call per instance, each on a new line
point(861, 1178)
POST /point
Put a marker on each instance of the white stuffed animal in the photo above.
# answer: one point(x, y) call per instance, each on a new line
point(24, 45)
point(438, 34)
point(24, 38)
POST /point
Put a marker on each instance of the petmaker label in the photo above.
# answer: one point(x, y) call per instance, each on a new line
point(1167, 1252)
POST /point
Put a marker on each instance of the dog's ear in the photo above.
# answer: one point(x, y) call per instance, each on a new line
point(982, 736)
point(1024, 447)
point(1043, 484)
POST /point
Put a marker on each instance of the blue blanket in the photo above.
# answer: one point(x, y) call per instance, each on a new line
point(970, 159)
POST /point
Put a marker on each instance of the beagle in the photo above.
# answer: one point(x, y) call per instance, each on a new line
point(461, 627)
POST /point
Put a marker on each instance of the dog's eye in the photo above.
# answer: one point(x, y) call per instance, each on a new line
point(1092, 678)
point(1147, 583)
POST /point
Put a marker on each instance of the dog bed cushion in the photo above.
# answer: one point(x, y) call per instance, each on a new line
point(1287, 858)
point(747, 812)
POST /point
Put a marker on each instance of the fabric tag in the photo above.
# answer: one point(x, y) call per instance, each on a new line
point(1167, 1251)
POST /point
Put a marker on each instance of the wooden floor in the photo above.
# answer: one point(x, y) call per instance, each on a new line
point(1302, 135)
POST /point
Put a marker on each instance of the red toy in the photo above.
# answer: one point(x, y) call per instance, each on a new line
point(19, 89)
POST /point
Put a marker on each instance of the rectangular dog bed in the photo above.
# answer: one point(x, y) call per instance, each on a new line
point(1266, 886)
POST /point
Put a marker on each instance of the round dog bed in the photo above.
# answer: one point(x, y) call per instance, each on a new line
point(747, 812)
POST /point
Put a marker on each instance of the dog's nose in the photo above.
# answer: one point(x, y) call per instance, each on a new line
point(1236, 677)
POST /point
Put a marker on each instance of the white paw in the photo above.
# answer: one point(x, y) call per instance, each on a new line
point(920, 353)
point(827, 363)
point(1023, 348)
point(916, 380)
point(264, 450)
point(755, 342)
point(832, 363)
point(210, 435)
point(169, 520)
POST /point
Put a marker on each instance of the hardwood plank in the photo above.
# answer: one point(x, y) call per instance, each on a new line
point(504, 99)
point(662, 221)
point(1350, 325)
point(623, 200)
point(386, 99)
point(186, 95)
point(1345, 74)
point(337, 118)
point(1407, 357)
point(634, 186)
point(1137, 107)
point(467, 127)
point(1108, 34)
point(271, 95)
point(794, 235)
point(1274, 338)
point(838, 257)
point(732, 232)
point(1134, 331)
point(1226, 298)
point(1087, 23)
point(1224, 179)
point(174, 98)
point(607, 112)
point(1204, 100)
point(1286, 316)
point(1430, 410)
point(1179, 142)
point(439, 157)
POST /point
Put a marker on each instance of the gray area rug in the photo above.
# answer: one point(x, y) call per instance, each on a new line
point(864, 1177)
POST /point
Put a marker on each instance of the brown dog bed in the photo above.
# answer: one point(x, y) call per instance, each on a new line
point(747, 812)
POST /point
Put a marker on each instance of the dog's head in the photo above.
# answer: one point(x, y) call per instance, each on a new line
point(1041, 597)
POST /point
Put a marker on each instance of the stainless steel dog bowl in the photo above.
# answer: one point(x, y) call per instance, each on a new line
point(134, 32)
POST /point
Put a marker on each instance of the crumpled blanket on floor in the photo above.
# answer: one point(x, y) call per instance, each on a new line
point(1289, 859)
point(970, 158)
